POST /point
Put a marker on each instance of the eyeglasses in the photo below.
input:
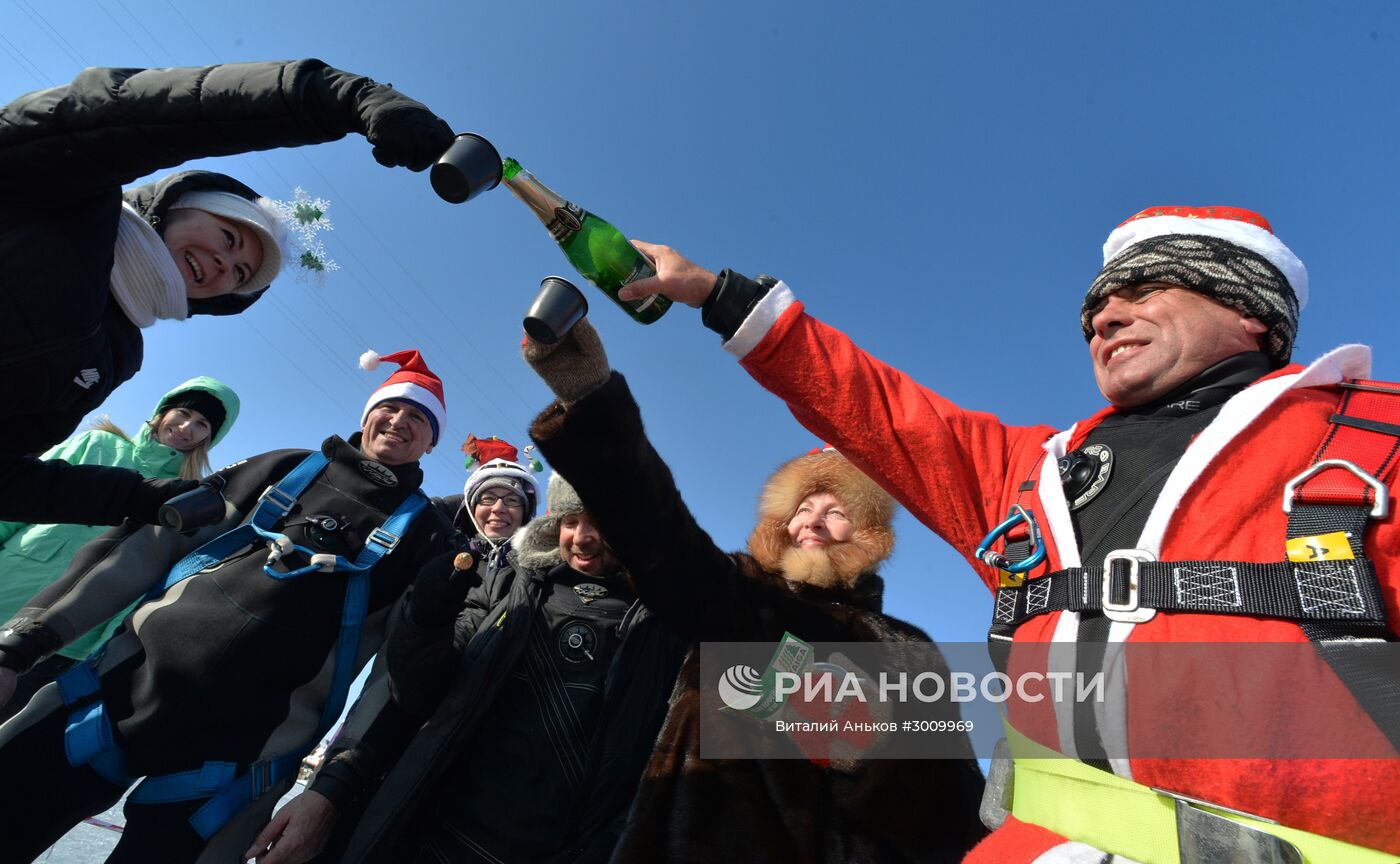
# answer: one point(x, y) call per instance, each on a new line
point(489, 499)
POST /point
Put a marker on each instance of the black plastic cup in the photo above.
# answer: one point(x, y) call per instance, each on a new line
point(203, 505)
point(466, 169)
point(557, 308)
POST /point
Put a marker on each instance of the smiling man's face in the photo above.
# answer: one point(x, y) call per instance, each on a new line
point(396, 433)
point(1151, 338)
point(583, 548)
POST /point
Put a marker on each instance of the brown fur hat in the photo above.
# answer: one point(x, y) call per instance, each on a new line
point(870, 508)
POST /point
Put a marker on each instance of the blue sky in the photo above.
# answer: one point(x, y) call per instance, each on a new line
point(935, 179)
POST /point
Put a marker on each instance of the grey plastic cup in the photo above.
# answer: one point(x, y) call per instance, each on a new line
point(557, 308)
point(466, 169)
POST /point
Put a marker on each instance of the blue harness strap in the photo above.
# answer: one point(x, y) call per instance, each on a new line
point(80, 680)
point(267, 773)
point(273, 504)
point(88, 739)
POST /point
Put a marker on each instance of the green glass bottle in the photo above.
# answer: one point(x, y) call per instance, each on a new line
point(596, 249)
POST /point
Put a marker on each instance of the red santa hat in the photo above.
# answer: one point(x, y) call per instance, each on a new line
point(414, 383)
point(1226, 253)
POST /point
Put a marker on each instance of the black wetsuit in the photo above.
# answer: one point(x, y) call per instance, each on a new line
point(1147, 442)
point(228, 665)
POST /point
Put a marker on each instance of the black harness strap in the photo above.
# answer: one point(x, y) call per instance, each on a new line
point(1333, 592)
point(1336, 502)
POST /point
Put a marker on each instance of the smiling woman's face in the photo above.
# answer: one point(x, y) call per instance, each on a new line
point(216, 256)
point(820, 520)
point(182, 429)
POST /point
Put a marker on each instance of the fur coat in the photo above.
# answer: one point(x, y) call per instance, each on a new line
point(690, 809)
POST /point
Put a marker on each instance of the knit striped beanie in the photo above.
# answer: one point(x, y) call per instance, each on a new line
point(1226, 253)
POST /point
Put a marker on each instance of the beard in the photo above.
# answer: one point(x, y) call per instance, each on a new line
point(835, 566)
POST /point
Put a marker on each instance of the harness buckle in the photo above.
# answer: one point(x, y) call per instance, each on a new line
point(277, 547)
point(1203, 836)
point(384, 538)
point(278, 499)
point(1128, 611)
point(261, 774)
point(1379, 509)
point(324, 561)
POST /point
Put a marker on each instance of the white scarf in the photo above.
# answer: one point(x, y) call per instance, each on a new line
point(145, 279)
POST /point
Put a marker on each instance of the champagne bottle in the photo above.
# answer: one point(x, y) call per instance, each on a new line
point(597, 250)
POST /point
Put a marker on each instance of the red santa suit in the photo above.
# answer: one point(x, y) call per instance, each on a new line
point(959, 471)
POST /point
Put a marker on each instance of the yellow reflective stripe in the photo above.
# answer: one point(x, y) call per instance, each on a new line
point(1117, 815)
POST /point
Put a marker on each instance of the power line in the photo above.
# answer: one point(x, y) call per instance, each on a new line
point(144, 29)
point(197, 35)
point(125, 32)
point(447, 357)
point(43, 23)
point(21, 57)
point(261, 166)
point(409, 276)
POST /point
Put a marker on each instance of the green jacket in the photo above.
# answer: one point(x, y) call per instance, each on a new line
point(32, 556)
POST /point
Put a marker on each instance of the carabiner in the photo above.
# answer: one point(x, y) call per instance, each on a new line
point(993, 558)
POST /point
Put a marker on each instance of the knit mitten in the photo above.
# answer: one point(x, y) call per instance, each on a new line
point(574, 366)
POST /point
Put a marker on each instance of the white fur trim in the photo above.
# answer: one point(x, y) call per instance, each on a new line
point(1061, 658)
point(1111, 715)
point(1350, 361)
point(1113, 727)
point(1251, 237)
point(414, 393)
point(369, 360)
point(1061, 529)
point(760, 320)
point(1052, 499)
point(1346, 361)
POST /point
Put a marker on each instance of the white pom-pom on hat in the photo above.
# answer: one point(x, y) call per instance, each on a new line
point(369, 360)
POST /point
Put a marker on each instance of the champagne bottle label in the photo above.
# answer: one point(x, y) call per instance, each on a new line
point(641, 270)
point(567, 220)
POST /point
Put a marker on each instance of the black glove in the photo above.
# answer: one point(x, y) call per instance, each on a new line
point(403, 132)
point(25, 641)
point(147, 498)
point(440, 590)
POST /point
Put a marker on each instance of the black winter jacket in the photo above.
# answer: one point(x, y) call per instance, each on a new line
point(65, 154)
point(453, 674)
